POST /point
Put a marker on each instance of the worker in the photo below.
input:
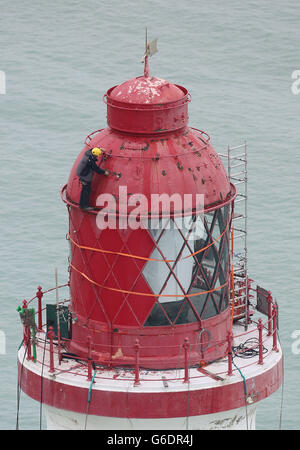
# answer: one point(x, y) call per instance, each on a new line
point(85, 169)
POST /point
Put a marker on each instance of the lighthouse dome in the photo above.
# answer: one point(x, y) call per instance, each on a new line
point(149, 146)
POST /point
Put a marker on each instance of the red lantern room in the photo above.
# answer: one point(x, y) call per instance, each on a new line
point(166, 279)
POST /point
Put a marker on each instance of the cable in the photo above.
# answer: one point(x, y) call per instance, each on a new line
point(248, 349)
point(89, 399)
point(245, 391)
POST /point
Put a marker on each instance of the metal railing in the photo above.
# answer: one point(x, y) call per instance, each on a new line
point(34, 345)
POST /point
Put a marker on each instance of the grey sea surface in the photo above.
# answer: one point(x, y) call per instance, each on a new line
point(59, 58)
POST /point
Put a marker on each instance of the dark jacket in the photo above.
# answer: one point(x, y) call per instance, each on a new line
point(86, 166)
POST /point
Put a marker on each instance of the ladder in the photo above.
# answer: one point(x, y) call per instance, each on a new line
point(238, 175)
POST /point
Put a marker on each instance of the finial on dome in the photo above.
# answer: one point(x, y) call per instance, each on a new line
point(150, 49)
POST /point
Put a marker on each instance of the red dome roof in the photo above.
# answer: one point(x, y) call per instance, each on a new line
point(147, 90)
point(147, 105)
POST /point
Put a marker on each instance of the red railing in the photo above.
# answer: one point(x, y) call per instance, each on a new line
point(270, 325)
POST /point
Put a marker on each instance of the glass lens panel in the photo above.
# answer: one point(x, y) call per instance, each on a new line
point(159, 275)
point(207, 270)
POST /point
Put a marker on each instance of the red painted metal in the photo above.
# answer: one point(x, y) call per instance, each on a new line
point(164, 404)
point(89, 346)
point(160, 345)
point(149, 145)
point(39, 296)
point(157, 164)
point(59, 346)
point(51, 349)
point(147, 105)
point(274, 313)
point(269, 300)
point(229, 354)
point(260, 342)
point(137, 363)
point(186, 347)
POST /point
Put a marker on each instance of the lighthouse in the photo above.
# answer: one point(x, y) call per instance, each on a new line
point(159, 330)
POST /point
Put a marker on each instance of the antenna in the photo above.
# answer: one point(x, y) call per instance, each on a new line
point(146, 40)
point(146, 66)
point(150, 49)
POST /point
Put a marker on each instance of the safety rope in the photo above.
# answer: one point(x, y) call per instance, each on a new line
point(89, 399)
point(245, 392)
point(145, 293)
point(83, 247)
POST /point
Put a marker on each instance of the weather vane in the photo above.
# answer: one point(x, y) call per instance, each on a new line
point(150, 49)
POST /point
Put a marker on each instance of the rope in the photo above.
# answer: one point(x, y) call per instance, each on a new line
point(245, 391)
point(144, 293)
point(248, 349)
point(89, 399)
point(90, 388)
point(143, 257)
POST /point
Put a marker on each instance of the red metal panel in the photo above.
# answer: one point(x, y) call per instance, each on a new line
point(126, 317)
point(112, 301)
point(143, 91)
point(171, 166)
point(147, 105)
point(141, 306)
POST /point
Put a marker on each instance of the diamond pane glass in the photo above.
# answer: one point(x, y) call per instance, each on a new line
point(185, 273)
point(171, 278)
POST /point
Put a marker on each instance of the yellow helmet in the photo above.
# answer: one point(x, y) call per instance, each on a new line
point(96, 151)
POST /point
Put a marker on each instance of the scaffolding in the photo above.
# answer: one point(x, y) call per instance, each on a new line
point(236, 158)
